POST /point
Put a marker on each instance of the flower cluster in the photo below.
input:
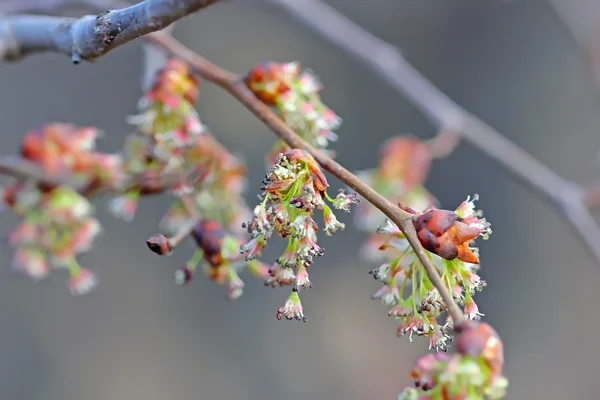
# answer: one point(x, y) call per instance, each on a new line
point(171, 150)
point(218, 252)
point(295, 95)
point(448, 236)
point(166, 126)
point(294, 188)
point(56, 222)
point(474, 373)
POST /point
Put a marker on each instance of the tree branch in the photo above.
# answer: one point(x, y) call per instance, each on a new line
point(386, 60)
point(234, 85)
point(26, 170)
point(90, 37)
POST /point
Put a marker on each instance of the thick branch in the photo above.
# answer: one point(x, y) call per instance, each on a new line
point(90, 37)
point(387, 61)
point(234, 85)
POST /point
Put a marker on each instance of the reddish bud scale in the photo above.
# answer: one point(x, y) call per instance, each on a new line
point(209, 235)
point(319, 179)
point(440, 232)
point(267, 81)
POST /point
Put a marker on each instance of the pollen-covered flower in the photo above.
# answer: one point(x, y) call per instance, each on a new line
point(294, 189)
point(475, 372)
point(295, 95)
point(406, 288)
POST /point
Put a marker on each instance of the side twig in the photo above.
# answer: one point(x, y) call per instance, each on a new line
point(234, 85)
point(569, 198)
point(91, 36)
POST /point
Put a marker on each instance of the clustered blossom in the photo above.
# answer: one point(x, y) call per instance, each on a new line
point(56, 222)
point(295, 95)
point(172, 151)
point(293, 190)
point(474, 372)
point(415, 302)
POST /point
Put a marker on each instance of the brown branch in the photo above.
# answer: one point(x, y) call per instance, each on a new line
point(90, 36)
point(234, 85)
point(386, 60)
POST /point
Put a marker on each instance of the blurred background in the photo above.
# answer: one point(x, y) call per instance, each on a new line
point(139, 336)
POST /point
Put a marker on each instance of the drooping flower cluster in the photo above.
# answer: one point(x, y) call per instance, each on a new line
point(56, 222)
point(474, 373)
point(171, 150)
point(448, 236)
point(166, 126)
point(218, 252)
point(293, 190)
point(295, 95)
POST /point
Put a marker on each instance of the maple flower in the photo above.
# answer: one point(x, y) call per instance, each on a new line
point(475, 372)
point(294, 189)
point(406, 287)
point(295, 95)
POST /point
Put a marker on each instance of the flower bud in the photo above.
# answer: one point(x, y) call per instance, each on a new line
point(159, 244)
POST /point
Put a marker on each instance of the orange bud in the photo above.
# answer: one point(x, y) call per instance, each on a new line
point(440, 232)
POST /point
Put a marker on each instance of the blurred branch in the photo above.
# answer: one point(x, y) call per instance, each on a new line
point(387, 61)
point(581, 18)
point(147, 184)
point(235, 86)
point(59, 7)
point(444, 143)
point(89, 37)
point(27, 170)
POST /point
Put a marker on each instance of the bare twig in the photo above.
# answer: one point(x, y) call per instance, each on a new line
point(91, 36)
point(234, 85)
point(387, 61)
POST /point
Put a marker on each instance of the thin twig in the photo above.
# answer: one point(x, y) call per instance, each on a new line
point(234, 85)
point(91, 36)
point(386, 60)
